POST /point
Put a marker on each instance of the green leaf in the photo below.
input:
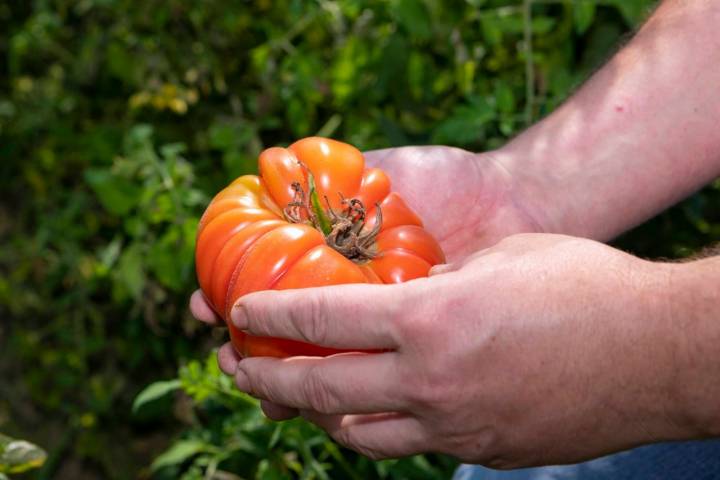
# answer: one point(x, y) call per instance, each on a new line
point(491, 31)
point(138, 138)
point(130, 273)
point(584, 14)
point(275, 435)
point(301, 115)
point(634, 11)
point(117, 195)
point(170, 255)
point(505, 98)
point(347, 69)
point(121, 63)
point(269, 471)
point(414, 16)
point(230, 134)
point(542, 25)
point(330, 126)
point(179, 453)
point(466, 124)
point(153, 392)
point(17, 456)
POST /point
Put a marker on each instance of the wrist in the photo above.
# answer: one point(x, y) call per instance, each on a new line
point(662, 371)
point(497, 211)
point(532, 194)
point(693, 327)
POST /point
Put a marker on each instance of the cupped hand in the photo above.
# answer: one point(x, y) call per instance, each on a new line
point(542, 349)
point(467, 201)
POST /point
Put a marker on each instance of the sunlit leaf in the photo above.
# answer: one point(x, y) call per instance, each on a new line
point(153, 392)
point(17, 456)
point(179, 453)
point(118, 195)
point(584, 14)
point(465, 124)
point(130, 271)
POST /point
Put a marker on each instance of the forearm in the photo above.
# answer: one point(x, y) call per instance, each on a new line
point(642, 134)
point(694, 330)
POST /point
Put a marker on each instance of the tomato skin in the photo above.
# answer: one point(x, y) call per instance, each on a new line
point(336, 166)
point(245, 244)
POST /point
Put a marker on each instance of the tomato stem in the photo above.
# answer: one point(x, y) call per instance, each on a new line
point(322, 219)
point(343, 231)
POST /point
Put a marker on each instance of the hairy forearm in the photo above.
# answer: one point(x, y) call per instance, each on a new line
point(693, 300)
point(641, 134)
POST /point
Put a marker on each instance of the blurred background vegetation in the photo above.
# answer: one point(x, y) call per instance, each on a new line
point(118, 121)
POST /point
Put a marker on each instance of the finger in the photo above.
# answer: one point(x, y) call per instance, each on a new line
point(441, 268)
point(228, 359)
point(344, 383)
point(276, 412)
point(374, 158)
point(359, 316)
point(201, 310)
point(459, 265)
point(380, 436)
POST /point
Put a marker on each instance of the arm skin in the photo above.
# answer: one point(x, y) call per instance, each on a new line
point(639, 136)
point(542, 349)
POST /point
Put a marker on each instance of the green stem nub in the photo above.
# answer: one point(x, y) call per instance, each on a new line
point(343, 231)
point(323, 221)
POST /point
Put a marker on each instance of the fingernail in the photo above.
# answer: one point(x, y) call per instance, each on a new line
point(238, 316)
point(241, 381)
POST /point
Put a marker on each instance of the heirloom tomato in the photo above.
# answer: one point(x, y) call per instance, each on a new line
point(314, 216)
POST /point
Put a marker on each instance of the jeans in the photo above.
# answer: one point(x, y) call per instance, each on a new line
point(663, 461)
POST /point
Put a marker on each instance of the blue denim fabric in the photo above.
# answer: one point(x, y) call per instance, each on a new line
point(663, 461)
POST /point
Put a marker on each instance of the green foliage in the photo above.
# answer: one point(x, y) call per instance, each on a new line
point(240, 441)
point(119, 119)
point(18, 456)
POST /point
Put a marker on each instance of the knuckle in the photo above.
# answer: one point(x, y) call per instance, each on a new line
point(257, 384)
point(371, 453)
point(261, 381)
point(431, 391)
point(317, 392)
point(434, 387)
point(311, 321)
point(499, 460)
point(485, 448)
point(345, 437)
point(260, 387)
point(414, 319)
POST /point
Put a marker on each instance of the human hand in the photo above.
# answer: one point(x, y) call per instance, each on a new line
point(542, 349)
point(466, 200)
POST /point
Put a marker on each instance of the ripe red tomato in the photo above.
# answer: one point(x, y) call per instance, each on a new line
point(315, 216)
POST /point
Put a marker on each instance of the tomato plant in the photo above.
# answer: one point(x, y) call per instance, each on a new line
point(315, 216)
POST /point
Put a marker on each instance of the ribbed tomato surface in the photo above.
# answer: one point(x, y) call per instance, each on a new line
point(246, 243)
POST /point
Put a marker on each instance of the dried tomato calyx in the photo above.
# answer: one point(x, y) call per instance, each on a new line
point(347, 236)
point(343, 230)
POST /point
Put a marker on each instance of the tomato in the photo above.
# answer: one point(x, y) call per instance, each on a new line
point(315, 216)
